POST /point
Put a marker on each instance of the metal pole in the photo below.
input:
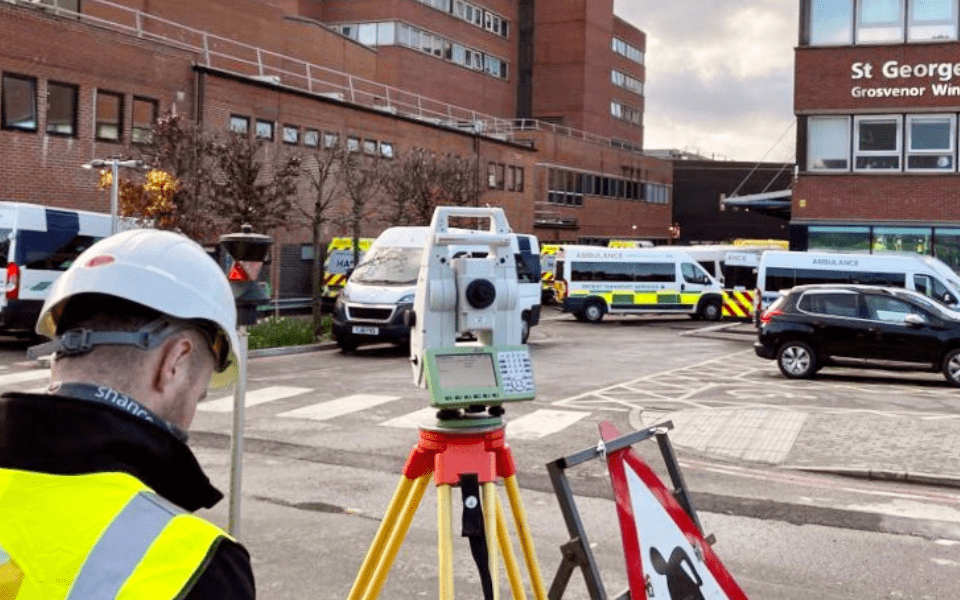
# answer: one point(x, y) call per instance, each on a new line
point(114, 195)
point(236, 438)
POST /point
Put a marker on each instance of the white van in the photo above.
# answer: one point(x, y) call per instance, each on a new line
point(781, 270)
point(592, 281)
point(37, 244)
point(373, 304)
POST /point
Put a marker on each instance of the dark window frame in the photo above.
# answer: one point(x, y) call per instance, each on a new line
point(96, 117)
point(273, 130)
point(75, 89)
point(4, 103)
point(295, 129)
point(135, 127)
point(246, 121)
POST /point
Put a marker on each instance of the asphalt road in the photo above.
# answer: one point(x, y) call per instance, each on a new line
point(327, 434)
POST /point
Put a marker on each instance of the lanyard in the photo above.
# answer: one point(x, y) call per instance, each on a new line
point(104, 395)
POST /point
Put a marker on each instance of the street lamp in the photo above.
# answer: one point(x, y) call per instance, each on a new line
point(114, 164)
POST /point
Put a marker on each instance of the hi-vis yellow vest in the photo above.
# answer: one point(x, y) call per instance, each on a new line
point(95, 537)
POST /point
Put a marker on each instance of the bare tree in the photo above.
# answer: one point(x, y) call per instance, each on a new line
point(419, 181)
point(362, 183)
point(253, 182)
point(321, 169)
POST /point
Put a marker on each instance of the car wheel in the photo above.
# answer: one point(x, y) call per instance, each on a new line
point(711, 311)
point(580, 316)
point(593, 312)
point(346, 345)
point(797, 360)
point(951, 367)
point(524, 328)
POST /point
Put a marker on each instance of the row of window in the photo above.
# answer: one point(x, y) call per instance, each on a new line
point(626, 82)
point(915, 143)
point(504, 177)
point(471, 13)
point(569, 187)
point(390, 33)
point(645, 272)
point(22, 95)
point(941, 242)
point(846, 22)
point(626, 113)
point(624, 49)
point(293, 135)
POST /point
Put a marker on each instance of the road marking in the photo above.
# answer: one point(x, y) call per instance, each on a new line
point(541, 423)
point(21, 376)
point(254, 398)
point(339, 407)
point(424, 416)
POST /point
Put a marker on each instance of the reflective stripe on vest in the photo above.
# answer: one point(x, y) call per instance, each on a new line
point(122, 546)
point(99, 536)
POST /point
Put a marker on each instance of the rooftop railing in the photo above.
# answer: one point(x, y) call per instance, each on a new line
point(248, 61)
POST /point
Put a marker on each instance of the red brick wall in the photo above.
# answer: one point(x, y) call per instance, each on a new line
point(895, 197)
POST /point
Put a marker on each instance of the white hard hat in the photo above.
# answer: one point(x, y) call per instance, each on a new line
point(162, 270)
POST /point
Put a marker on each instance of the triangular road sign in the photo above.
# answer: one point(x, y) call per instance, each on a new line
point(666, 554)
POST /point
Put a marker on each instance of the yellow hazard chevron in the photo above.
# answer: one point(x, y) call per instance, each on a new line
point(738, 304)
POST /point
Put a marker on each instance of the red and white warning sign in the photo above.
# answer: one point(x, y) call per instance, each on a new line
point(667, 557)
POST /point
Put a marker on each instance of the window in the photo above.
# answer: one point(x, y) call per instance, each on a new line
point(492, 175)
point(19, 102)
point(239, 124)
point(932, 20)
point(353, 144)
point(624, 49)
point(144, 117)
point(847, 239)
point(367, 34)
point(878, 143)
point(62, 108)
point(331, 139)
point(625, 81)
point(49, 250)
point(838, 304)
point(511, 177)
point(626, 113)
point(311, 137)
point(291, 134)
point(386, 149)
point(831, 22)
point(264, 130)
point(828, 143)
point(386, 34)
point(931, 141)
point(901, 239)
point(887, 309)
point(109, 126)
point(370, 147)
point(879, 21)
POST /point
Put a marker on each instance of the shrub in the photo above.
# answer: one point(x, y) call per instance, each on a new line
point(281, 331)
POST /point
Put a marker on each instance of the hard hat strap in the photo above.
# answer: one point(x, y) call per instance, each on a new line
point(80, 341)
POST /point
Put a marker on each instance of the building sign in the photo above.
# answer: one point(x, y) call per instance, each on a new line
point(896, 79)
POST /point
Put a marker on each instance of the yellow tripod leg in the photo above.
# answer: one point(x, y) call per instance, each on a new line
point(395, 539)
point(383, 532)
point(526, 541)
point(490, 529)
point(445, 541)
point(509, 558)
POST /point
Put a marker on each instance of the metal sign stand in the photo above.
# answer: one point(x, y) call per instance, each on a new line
point(236, 437)
point(576, 552)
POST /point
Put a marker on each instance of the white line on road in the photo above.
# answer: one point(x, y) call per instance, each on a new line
point(424, 416)
point(21, 376)
point(541, 423)
point(261, 396)
point(339, 407)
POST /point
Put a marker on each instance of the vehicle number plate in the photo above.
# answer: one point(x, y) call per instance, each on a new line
point(359, 330)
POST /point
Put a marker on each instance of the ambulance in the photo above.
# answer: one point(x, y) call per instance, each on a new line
point(337, 265)
point(548, 257)
point(37, 244)
point(592, 281)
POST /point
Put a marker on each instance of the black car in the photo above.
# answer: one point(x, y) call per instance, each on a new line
point(813, 326)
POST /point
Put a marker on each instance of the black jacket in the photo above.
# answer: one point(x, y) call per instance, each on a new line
point(63, 436)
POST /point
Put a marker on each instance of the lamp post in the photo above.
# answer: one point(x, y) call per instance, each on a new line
point(114, 164)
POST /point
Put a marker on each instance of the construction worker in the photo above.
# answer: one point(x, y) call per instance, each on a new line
point(97, 483)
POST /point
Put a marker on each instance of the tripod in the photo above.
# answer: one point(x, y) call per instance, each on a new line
point(450, 455)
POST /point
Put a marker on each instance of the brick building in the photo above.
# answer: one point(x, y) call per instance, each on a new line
point(545, 96)
point(877, 96)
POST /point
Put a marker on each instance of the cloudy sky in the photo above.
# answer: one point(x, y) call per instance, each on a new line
point(719, 76)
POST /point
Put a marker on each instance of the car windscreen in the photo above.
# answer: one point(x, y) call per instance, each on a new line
point(50, 250)
point(389, 266)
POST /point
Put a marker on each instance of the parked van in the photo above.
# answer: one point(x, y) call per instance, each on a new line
point(371, 307)
point(37, 244)
point(592, 281)
point(781, 270)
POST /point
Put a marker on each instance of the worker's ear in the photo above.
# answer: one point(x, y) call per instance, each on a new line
point(173, 363)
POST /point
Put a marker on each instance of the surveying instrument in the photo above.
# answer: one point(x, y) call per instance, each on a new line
point(467, 285)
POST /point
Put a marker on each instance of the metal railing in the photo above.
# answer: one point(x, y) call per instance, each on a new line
point(245, 60)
